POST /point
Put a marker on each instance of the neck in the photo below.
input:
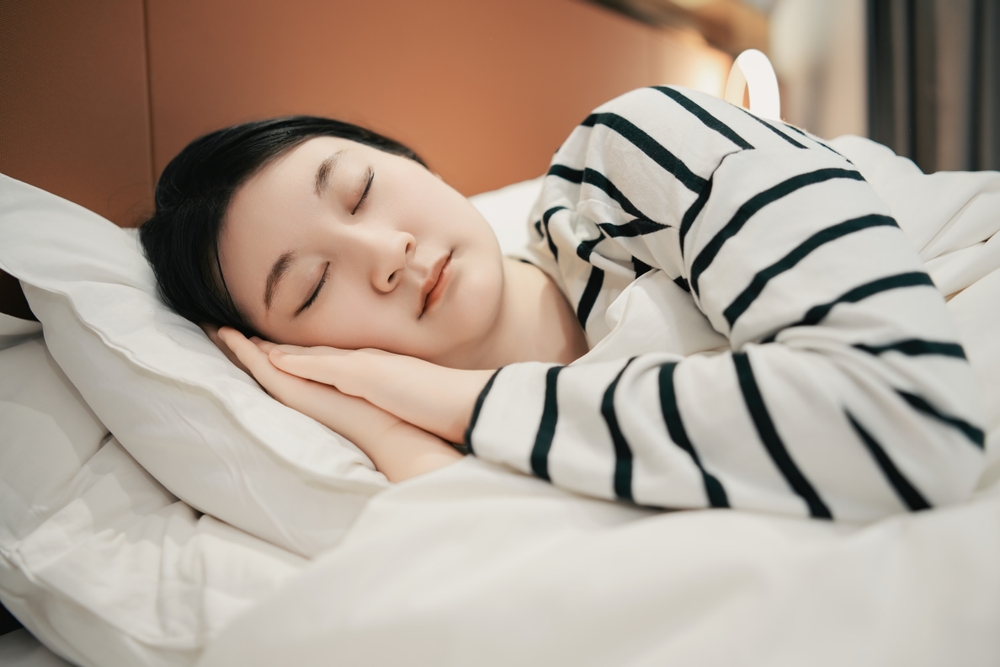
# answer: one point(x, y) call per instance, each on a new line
point(534, 323)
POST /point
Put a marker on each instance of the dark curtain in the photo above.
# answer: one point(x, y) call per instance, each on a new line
point(934, 81)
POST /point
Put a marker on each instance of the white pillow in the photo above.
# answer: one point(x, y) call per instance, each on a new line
point(199, 425)
point(507, 212)
point(98, 560)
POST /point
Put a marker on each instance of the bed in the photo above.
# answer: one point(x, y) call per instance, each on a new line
point(475, 564)
point(156, 508)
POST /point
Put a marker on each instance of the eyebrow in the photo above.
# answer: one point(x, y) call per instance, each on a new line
point(324, 170)
point(278, 270)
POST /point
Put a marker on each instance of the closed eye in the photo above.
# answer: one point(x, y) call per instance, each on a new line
point(364, 195)
point(319, 286)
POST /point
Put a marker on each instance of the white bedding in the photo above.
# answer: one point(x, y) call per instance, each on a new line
point(97, 559)
point(477, 565)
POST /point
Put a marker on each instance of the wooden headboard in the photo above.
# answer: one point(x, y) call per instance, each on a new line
point(96, 97)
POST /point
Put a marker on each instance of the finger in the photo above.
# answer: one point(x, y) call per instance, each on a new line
point(248, 353)
point(317, 351)
point(264, 346)
point(212, 332)
point(235, 341)
point(227, 335)
point(213, 335)
point(327, 369)
point(294, 363)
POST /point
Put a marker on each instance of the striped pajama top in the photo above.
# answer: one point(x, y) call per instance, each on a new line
point(763, 334)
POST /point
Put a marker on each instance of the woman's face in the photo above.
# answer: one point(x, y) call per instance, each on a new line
point(340, 244)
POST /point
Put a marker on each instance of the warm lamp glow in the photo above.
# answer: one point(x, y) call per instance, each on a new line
point(752, 72)
point(709, 76)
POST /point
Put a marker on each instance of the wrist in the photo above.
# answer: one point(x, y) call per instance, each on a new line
point(403, 451)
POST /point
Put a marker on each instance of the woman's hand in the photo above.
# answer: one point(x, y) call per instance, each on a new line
point(212, 332)
point(435, 398)
point(398, 449)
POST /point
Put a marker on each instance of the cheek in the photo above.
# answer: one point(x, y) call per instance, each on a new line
point(350, 316)
point(354, 323)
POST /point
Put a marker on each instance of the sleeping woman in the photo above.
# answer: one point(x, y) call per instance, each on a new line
point(714, 310)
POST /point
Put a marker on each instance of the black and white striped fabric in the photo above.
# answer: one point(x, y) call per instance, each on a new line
point(844, 392)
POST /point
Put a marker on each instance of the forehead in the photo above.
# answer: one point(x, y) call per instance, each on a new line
point(304, 157)
point(285, 178)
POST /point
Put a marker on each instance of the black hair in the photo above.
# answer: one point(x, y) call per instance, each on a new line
point(193, 195)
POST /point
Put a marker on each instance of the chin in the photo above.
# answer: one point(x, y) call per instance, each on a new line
point(472, 313)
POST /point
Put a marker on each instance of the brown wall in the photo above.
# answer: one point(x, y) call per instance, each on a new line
point(74, 114)
point(484, 90)
point(97, 96)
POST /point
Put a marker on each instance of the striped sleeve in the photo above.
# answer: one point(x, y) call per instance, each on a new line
point(845, 393)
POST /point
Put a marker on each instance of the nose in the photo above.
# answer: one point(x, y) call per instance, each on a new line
point(390, 254)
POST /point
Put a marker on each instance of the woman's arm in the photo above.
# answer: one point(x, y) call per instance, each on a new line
point(846, 393)
point(398, 449)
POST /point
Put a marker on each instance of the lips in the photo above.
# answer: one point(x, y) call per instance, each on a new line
point(436, 283)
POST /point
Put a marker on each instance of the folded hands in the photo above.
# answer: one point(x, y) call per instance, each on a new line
point(401, 411)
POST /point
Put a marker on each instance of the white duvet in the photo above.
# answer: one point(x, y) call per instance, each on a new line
point(476, 565)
